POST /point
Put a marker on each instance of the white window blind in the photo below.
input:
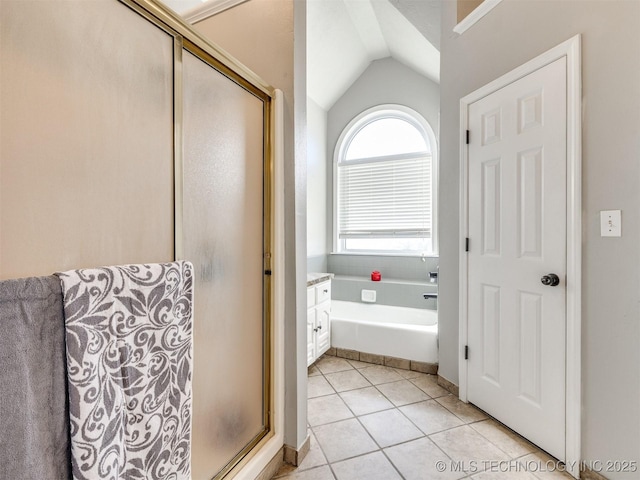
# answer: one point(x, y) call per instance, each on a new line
point(385, 197)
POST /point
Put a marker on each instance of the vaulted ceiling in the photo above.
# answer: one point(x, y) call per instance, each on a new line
point(345, 36)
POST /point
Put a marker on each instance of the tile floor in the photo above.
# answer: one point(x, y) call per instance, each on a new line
point(370, 422)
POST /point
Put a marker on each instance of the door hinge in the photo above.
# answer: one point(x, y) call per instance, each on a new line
point(466, 244)
point(466, 352)
point(468, 134)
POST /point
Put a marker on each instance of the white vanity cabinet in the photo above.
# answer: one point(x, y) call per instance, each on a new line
point(318, 321)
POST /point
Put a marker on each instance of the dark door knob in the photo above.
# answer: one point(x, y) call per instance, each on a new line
point(551, 280)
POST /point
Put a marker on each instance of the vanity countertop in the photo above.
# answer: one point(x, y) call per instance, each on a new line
point(315, 278)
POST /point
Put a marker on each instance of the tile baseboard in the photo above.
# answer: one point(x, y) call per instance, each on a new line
point(449, 386)
point(587, 474)
point(401, 363)
point(295, 457)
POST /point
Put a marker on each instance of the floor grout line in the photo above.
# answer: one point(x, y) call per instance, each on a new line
point(437, 400)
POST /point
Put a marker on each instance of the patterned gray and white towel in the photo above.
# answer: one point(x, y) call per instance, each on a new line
point(129, 359)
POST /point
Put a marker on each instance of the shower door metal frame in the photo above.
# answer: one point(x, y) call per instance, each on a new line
point(186, 38)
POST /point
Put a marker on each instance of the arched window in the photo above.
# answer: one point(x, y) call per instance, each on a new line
point(384, 189)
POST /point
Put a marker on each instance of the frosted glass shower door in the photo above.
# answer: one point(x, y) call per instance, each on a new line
point(223, 235)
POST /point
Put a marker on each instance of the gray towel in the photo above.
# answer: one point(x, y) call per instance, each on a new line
point(34, 432)
point(129, 362)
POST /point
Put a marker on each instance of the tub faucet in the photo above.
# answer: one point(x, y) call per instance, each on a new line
point(427, 296)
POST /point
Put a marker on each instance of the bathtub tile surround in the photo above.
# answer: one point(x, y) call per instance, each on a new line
point(391, 267)
point(401, 428)
point(394, 292)
point(404, 279)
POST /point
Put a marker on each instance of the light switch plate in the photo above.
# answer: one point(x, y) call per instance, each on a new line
point(610, 223)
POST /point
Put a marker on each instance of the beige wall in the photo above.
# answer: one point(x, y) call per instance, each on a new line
point(465, 7)
point(508, 36)
point(260, 34)
point(86, 138)
point(317, 185)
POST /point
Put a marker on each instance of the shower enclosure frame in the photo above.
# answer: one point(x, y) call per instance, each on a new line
point(187, 39)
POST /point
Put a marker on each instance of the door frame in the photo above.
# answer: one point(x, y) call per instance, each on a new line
point(571, 50)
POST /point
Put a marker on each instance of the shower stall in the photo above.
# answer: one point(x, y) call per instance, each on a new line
point(126, 137)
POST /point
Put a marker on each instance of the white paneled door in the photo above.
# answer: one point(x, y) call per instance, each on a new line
point(517, 230)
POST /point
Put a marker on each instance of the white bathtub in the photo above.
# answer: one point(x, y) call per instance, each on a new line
point(409, 333)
